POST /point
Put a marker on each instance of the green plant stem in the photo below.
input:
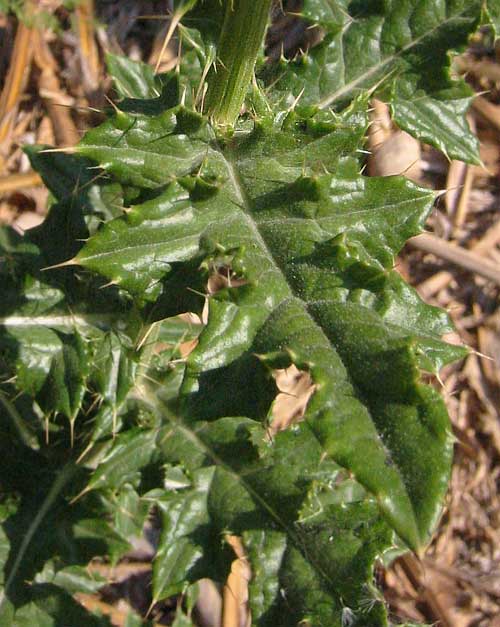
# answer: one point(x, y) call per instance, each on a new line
point(242, 35)
point(62, 479)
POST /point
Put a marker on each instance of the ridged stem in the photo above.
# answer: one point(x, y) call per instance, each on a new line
point(242, 35)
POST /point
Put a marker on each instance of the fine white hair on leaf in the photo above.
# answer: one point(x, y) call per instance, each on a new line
point(347, 617)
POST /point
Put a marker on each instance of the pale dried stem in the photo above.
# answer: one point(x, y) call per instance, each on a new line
point(64, 128)
point(454, 184)
point(460, 213)
point(235, 611)
point(14, 85)
point(89, 55)
point(413, 569)
point(17, 182)
point(120, 571)
point(168, 36)
point(381, 126)
point(459, 181)
point(490, 111)
point(164, 58)
point(457, 255)
point(440, 280)
point(93, 604)
point(434, 284)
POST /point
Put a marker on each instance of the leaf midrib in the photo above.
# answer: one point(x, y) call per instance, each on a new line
point(63, 320)
point(246, 206)
point(192, 436)
point(330, 98)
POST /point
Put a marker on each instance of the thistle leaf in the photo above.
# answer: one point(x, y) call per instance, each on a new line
point(312, 243)
point(278, 252)
point(402, 52)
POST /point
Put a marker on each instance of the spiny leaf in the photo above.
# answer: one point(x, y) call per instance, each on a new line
point(399, 49)
point(315, 251)
point(130, 452)
point(441, 122)
point(140, 90)
point(72, 578)
point(58, 540)
point(51, 357)
point(301, 246)
point(301, 570)
point(133, 79)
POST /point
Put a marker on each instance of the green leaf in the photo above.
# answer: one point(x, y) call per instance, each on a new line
point(71, 578)
point(139, 89)
point(373, 45)
point(130, 512)
point(272, 236)
point(47, 342)
point(439, 121)
point(492, 9)
point(133, 79)
point(83, 199)
point(49, 606)
point(45, 540)
point(51, 357)
point(116, 368)
point(205, 18)
point(166, 133)
point(310, 244)
point(181, 544)
point(338, 552)
point(130, 452)
point(52, 326)
point(7, 509)
point(301, 571)
point(260, 205)
point(70, 345)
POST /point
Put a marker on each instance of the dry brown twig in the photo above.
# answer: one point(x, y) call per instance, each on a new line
point(489, 111)
point(457, 255)
point(417, 575)
point(89, 55)
point(235, 612)
point(64, 128)
point(459, 210)
point(117, 617)
point(441, 279)
point(15, 82)
point(16, 182)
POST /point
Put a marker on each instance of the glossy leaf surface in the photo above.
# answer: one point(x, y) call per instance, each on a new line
point(310, 244)
point(400, 50)
point(179, 268)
